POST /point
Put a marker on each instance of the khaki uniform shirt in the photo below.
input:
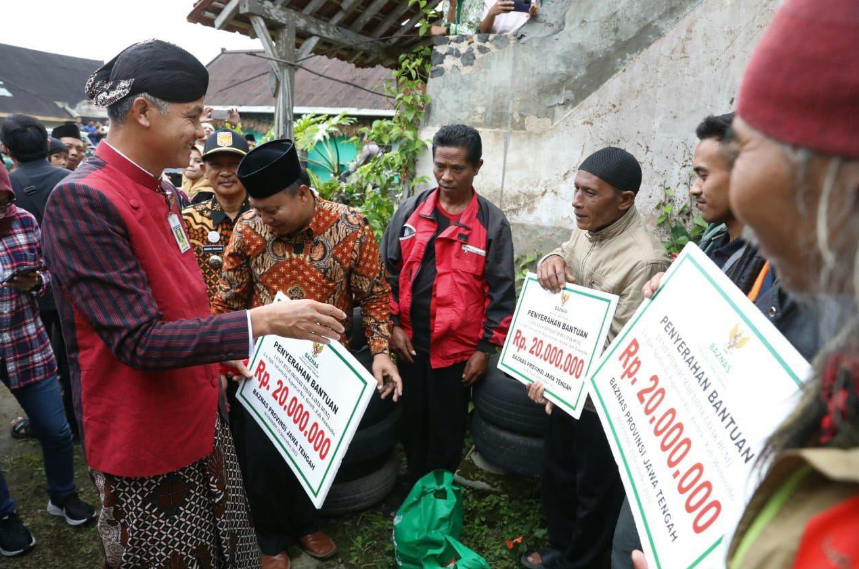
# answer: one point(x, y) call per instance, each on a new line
point(619, 260)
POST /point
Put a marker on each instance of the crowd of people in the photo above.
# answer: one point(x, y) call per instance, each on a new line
point(139, 301)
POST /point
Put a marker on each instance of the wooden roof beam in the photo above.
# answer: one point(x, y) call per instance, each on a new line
point(239, 24)
point(229, 11)
point(312, 26)
point(267, 42)
point(392, 18)
point(368, 14)
point(226, 14)
point(311, 8)
point(347, 8)
point(408, 26)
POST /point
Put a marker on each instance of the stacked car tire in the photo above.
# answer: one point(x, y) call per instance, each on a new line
point(508, 428)
point(369, 469)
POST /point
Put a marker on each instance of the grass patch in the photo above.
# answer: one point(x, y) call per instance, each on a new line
point(364, 540)
point(490, 520)
point(59, 545)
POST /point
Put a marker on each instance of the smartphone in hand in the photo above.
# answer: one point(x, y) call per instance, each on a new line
point(23, 271)
point(521, 5)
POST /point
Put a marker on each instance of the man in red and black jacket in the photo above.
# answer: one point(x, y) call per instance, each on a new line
point(449, 258)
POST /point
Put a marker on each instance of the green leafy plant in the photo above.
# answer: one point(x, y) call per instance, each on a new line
point(328, 189)
point(378, 185)
point(493, 520)
point(320, 133)
point(392, 174)
point(680, 224)
point(525, 263)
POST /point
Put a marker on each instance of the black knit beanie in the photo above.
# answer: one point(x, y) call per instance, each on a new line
point(616, 167)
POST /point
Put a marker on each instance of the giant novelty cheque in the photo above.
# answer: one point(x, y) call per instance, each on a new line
point(309, 399)
point(555, 338)
point(688, 393)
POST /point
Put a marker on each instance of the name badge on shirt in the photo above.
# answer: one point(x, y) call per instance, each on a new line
point(178, 232)
point(475, 250)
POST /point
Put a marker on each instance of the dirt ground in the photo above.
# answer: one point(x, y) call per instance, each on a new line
point(492, 516)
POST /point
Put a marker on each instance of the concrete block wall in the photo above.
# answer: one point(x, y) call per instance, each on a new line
point(639, 74)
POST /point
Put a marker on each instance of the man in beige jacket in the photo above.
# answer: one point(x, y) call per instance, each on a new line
point(610, 250)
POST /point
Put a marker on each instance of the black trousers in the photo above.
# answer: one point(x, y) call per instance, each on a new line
point(582, 491)
point(625, 539)
point(51, 322)
point(280, 508)
point(435, 412)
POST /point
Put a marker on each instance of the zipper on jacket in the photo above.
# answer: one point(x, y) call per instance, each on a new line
point(584, 260)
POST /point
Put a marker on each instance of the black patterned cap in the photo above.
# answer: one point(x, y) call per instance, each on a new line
point(156, 67)
point(269, 168)
point(616, 167)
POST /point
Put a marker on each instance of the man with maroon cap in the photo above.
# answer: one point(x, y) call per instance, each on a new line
point(795, 183)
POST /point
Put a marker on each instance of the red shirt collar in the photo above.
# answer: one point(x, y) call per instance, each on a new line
point(124, 164)
point(466, 219)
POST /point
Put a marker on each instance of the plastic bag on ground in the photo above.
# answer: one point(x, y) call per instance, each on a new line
point(428, 525)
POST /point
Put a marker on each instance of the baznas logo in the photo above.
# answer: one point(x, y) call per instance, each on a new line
point(736, 340)
point(225, 139)
point(317, 348)
point(565, 296)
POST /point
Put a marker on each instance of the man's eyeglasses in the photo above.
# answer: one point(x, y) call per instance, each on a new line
point(5, 205)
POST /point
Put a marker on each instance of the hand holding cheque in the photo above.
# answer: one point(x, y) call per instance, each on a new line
point(554, 338)
point(681, 406)
point(302, 319)
point(310, 396)
point(680, 403)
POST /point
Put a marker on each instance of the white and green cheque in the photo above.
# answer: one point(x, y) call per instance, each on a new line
point(309, 399)
point(555, 338)
point(688, 393)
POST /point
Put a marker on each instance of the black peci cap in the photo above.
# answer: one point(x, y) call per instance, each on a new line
point(616, 167)
point(67, 130)
point(270, 168)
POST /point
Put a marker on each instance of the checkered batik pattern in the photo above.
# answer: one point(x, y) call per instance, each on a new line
point(335, 261)
point(194, 518)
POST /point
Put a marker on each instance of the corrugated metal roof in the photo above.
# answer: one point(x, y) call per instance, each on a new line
point(237, 78)
point(38, 80)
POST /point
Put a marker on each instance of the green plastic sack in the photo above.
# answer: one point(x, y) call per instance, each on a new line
point(428, 525)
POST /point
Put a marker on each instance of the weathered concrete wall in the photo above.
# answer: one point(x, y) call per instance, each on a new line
point(639, 74)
